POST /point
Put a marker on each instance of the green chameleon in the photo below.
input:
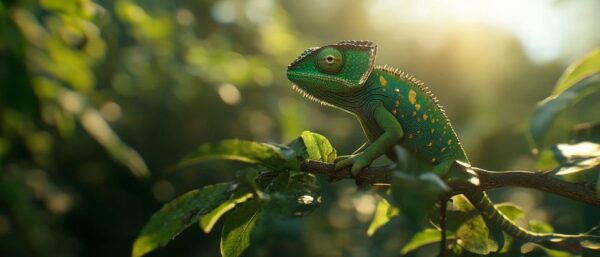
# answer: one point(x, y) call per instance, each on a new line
point(393, 108)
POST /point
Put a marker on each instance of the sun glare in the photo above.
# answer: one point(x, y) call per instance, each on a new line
point(539, 25)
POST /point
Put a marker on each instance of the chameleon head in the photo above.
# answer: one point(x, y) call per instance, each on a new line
point(332, 70)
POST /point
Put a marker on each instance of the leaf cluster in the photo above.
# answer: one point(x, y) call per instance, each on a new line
point(271, 184)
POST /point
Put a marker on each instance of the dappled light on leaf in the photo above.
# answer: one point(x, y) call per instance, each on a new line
point(383, 213)
point(208, 220)
point(577, 158)
point(318, 147)
point(578, 71)
point(243, 151)
point(425, 237)
point(294, 194)
point(471, 230)
point(235, 238)
point(539, 226)
point(99, 129)
point(177, 215)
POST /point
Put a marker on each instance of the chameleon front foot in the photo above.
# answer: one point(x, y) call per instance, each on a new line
point(356, 163)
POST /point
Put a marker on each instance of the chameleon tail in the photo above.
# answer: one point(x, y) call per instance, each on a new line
point(555, 241)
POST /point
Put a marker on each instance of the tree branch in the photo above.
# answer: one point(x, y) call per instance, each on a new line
point(486, 180)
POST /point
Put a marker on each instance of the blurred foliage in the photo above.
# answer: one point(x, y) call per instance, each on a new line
point(88, 88)
point(580, 80)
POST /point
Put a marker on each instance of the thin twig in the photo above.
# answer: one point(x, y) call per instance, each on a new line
point(581, 192)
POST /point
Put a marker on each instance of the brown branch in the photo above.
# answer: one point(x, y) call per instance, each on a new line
point(581, 192)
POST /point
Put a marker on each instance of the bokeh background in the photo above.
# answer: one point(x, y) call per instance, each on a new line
point(99, 98)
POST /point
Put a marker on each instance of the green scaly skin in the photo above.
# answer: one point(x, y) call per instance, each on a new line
point(393, 108)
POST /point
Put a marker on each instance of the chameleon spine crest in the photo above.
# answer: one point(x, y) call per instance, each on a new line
point(409, 78)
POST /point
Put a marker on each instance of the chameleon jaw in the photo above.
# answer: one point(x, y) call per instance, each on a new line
point(309, 96)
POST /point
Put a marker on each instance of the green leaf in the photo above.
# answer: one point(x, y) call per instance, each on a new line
point(293, 194)
point(177, 215)
point(383, 213)
point(318, 148)
point(247, 179)
point(470, 228)
point(425, 237)
point(475, 237)
point(579, 162)
point(590, 248)
point(208, 220)
point(546, 160)
point(76, 104)
point(427, 188)
point(235, 238)
point(578, 81)
point(510, 210)
point(585, 132)
point(97, 127)
point(272, 156)
point(67, 7)
point(539, 226)
point(578, 71)
point(531, 249)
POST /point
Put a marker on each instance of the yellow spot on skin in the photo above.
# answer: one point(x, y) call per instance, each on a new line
point(443, 149)
point(449, 141)
point(433, 159)
point(432, 130)
point(394, 111)
point(397, 103)
point(418, 107)
point(412, 96)
point(424, 116)
point(383, 82)
point(414, 113)
point(397, 90)
point(430, 144)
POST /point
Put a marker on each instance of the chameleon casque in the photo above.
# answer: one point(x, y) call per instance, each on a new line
point(393, 108)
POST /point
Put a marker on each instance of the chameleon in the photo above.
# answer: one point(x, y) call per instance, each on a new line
point(394, 109)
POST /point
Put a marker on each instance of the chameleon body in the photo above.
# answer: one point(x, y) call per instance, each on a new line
point(393, 108)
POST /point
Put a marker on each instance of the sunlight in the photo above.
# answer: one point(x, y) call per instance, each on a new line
point(539, 25)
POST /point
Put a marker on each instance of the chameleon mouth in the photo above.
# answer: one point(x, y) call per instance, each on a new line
point(309, 96)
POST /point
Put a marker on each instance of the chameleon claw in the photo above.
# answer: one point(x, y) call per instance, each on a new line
point(340, 165)
point(355, 162)
point(356, 168)
point(343, 161)
point(358, 164)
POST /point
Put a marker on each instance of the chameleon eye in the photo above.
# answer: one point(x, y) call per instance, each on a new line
point(330, 60)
